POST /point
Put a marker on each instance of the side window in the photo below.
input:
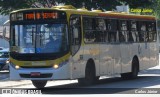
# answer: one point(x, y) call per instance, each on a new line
point(100, 30)
point(89, 36)
point(133, 35)
point(94, 30)
point(123, 34)
point(75, 28)
point(151, 29)
point(112, 32)
point(142, 32)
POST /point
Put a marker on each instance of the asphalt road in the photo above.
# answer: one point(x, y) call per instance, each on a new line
point(149, 79)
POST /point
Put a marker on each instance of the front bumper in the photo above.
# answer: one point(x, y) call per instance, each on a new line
point(45, 73)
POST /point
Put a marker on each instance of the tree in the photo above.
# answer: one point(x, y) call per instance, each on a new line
point(138, 3)
point(156, 8)
point(7, 6)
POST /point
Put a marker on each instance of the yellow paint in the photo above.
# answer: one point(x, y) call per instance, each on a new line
point(94, 51)
point(40, 63)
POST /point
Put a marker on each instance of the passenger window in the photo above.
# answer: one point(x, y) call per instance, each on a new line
point(142, 32)
point(112, 30)
point(89, 35)
point(151, 31)
point(123, 34)
point(100, 30)
point(94, 30)
point(133, 32)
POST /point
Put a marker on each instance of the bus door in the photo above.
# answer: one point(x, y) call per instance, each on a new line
point(76, 48)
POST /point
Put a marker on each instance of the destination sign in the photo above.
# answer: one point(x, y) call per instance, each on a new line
point(37, 15)
point(45, 15)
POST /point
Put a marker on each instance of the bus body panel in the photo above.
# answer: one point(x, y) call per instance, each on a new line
point(126, 57)
point(154, 54)
point(116, 63)
point(106, 59)
point(77, 64)
point(110, 59)
point(91, 51)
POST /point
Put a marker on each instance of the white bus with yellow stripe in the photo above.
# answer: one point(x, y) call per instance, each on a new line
point(67, 43)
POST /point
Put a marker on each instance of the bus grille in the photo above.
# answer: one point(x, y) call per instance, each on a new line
point(35, 66)
point(48, 75)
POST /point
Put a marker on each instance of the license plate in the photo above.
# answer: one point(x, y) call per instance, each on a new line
point(35, 73)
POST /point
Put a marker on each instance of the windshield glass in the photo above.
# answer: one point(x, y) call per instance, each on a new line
point(41, 38)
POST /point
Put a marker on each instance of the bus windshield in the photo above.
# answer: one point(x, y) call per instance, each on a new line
point(40, 38)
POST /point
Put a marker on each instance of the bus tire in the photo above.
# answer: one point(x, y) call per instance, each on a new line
point(90, 75)
point(39, 83)
point(135, 70)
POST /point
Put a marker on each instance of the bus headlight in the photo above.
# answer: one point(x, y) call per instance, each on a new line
point(55, 66)
point(17, 67)
point(14, 66)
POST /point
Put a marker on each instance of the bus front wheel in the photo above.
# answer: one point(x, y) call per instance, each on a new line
point(90, 75)
point(39, 83)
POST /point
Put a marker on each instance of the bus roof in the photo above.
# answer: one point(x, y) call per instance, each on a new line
point(109, 14)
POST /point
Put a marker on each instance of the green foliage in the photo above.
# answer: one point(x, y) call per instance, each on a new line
point(7, 6)
point(93, 4)
point(156, 8)
point(139, 3)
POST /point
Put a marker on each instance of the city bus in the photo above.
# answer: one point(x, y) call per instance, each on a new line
point(63, 42)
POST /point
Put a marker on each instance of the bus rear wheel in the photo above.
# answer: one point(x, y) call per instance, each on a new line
point(135, 70)
point(39, 83)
